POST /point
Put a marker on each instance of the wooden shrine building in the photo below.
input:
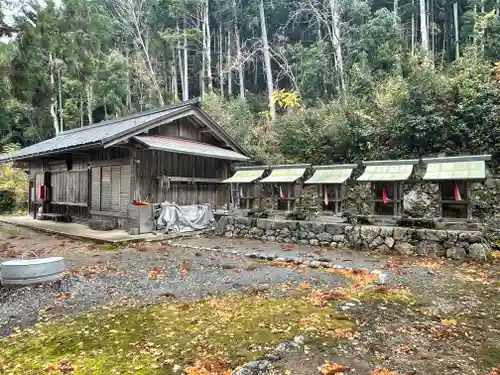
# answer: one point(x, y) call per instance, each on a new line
point(284, 186)
point(245, 187)
point(175, 153)
point(386, 178)
point(455, 176)
point(330, 181)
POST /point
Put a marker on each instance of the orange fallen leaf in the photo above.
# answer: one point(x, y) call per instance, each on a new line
point(215, 367)
point(156, 273)
point(495, 371)
point(288, 247)
point(332, 369)
point(64, 295)
point(185, 268)
point(383, 371)
point(304, 285)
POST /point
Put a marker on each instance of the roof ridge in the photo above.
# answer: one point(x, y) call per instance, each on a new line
point(131, 116)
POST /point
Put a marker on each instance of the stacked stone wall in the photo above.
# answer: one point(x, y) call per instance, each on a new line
point(454, 244)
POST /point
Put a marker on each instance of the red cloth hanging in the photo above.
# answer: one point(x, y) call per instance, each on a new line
point(41, 192)
point(326, 195)
point(456, 190)
point(282, 195)
point(384, 195)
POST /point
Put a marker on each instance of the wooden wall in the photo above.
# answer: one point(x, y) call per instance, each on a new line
point(184, 128)
point(153, 167)
point(70, 187)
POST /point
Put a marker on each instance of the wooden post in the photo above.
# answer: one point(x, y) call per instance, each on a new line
point(468, 188)
point(374, 196)
point(440, 199)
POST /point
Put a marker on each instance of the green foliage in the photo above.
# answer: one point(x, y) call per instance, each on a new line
point(7, 201)
point(13, 185)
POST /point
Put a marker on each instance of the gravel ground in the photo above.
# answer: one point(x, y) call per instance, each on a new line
point(98, 277)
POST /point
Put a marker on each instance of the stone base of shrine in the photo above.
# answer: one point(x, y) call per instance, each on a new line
point(451, 243)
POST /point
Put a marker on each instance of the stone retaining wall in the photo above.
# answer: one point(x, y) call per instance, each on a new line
point(454, 244)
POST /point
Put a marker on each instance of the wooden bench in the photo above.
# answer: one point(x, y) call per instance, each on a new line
point(55, 217)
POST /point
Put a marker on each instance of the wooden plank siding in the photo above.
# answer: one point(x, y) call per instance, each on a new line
point(70, 187)
point(153, 165)
point(96, 189)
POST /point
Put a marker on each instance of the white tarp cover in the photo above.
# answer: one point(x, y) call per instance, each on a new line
point(174, 218)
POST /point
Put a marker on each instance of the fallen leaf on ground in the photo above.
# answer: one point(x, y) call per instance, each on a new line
point(185, 268)
point(156, 273)
point(64, 295)
point(304, 285)
point(383, 371)
point(288, 247)
point(208, 368)
point(332, 369)
point(495, 371)
point(64, 366)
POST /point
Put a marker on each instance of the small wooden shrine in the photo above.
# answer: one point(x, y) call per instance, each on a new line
point(284, 186)
point(455, 176)
point(245, 187)
point(387, 178)
point(330, 181)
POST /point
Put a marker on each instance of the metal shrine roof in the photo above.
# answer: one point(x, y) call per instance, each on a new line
point(183, 146)
point(245, 175)
point(285, 173)
point(456, 168)
point(387, 170)
point(104, 133)
point(331, 174)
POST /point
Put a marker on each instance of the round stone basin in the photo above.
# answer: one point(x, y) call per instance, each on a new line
point(31, 271)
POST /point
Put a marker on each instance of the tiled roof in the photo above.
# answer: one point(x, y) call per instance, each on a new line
point(99, 134)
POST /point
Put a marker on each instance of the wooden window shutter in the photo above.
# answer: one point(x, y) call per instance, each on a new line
point(106, 189)
point(95, 203)
point(125, 186)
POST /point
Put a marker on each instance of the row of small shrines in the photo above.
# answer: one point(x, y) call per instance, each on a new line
point(284, 184)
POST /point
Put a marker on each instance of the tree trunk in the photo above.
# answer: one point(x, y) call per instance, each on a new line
point(482, 30)
point(81, 110)
point(208, 49)
point(423, 27)
point(173, 75)
point(241, 77)
point(53, 100)
point(339, 64)
point(185, 96)
point(475, 32)
point(61, 122)
point(395, 12)
point(88, 90)
point(229, 70)
point(203, 55)
point(431, 29)
point(413, 27)
point(455, 23)
point(145, 49)
point(445, 27)
point(221, 76)
point(128, 100)
point(267, 61)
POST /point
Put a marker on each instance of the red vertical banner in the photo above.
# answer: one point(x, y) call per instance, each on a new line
point(282, 195)
point(384, 195)
point(326, 195)
point(456, 190)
